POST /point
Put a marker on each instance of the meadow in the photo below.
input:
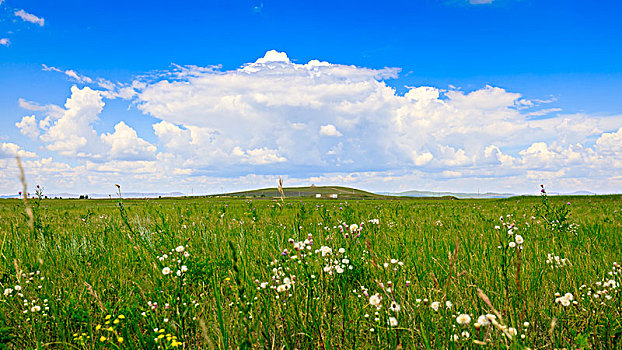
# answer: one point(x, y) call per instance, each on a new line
point(532, 272)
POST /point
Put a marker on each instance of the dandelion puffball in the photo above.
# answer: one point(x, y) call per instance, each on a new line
point(463, 319)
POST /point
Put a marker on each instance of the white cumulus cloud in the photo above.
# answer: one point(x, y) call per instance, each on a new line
point(323, 121)
point(28, 126)
point(329, 130)
point(126, 145)
point(11, 150)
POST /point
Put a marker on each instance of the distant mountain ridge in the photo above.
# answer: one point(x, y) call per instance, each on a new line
point(465, 195)
point(415, 193)
point(100, 195)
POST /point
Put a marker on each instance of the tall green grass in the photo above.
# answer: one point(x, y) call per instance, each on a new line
point(91, 274)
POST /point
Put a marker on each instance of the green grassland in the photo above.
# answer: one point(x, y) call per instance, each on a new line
point(227, 273)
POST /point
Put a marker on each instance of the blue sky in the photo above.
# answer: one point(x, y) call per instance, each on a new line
point(447, 95)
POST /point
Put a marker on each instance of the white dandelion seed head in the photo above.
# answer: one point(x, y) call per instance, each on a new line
point(483, 320)
point(375, 300)
point(435, 305)
point(463, 319)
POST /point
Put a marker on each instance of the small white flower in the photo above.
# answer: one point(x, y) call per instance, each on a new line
point(35, 308)
point(449, 304)
point(519, 239)
point(342, 250)
point(375, 300)
point(483, 320)
point(435, 305)
point(392, 321)
point(325, 250)
point(166, 270)
point(512, 244)
point(184, 268)
point(180, 249)
point(463, 319)
point(17, 288)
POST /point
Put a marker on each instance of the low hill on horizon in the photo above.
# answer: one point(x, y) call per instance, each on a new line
point(324, 192)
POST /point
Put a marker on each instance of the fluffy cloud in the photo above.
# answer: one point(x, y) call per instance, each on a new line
point(258, 156)
point(126, 145)
point(329, 130)
point(5, 42)
point(320, 120)
point(72, 133)
point(11, 150)
point(28, 17)
point(69, 131)
point(28, 126)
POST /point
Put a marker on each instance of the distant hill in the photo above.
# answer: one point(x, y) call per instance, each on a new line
point(310, 191)
point(325, 192)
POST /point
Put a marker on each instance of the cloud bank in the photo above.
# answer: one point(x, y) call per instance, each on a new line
point(320, 122)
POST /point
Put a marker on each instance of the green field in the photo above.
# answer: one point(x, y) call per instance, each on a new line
point(226, 273)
